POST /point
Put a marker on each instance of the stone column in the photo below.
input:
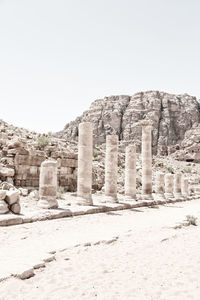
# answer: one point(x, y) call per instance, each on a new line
point(169, 186)
point(160, 186)
point(111, 168)
point(184, 188)
point(48, 184)
point(130, 173)
point(197, 192)
point(146, 160)
point(177, 186)
point(85, 156)
point(3, 205)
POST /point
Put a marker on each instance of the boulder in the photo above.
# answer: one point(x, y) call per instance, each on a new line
point(23, 192)
point(15, 208)
point(2, 194)
point(12, 197)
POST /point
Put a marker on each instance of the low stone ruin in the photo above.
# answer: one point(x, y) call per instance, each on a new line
point(21, 158)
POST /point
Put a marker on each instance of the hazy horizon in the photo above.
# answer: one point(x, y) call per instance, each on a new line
point(59, 56)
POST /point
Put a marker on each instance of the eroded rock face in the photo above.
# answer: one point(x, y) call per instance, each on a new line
point(172, 115)
point(189, 149)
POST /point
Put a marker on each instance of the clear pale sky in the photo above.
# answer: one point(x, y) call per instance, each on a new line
point(56, 57)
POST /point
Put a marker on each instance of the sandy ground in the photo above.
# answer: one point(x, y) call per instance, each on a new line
point(134, 254)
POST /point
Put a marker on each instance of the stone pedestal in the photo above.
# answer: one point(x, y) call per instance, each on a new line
point(85, 156)
point(177, 186)
point(111, 168)
point(3, 205)
point(48, 185)
point(184, 188)
point(130, 173)
point(169, 186)
point(146, 160)
point(160, 186)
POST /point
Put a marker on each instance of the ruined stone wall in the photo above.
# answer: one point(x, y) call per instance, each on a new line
point(21, 167)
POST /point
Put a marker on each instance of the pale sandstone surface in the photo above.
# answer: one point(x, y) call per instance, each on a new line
point(48, 184)
point(130, 172)
point(85, 157)
point(146, 159)
point(134, 254)
point(111, 168)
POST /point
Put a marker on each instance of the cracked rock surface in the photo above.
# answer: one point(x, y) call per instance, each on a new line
point(172, 116)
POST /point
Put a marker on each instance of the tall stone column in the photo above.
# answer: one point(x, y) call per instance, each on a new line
point(111, 168)
point(130, 173)
point(85, 156)
point(177, 186)
point(146, 160)
point(185, 188)
point(160, 186)
point(48, 184)
point(169, 186)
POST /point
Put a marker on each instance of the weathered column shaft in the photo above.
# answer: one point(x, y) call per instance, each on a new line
point(185, 187)
point(160, 185)
point(169, 185)
point(177, 185)
point(111, 168)
point(48, 184)
point(146, 160)
point(85, 156)
point(130, 172)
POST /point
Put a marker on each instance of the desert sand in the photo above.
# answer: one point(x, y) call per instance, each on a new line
point(131, 254)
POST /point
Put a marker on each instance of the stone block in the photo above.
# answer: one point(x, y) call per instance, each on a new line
point(33, 171)
point(69, 163)
point(7, 172)
point(22, 159)
point(65, 170)
point(12, 197)
point(3, 207)
point(15, 208)
point(2, 194)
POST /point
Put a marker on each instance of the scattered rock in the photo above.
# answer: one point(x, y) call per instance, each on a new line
point(12, 197)
point(15, 208)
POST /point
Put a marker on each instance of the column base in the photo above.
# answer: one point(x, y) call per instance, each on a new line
point(169, 196)
point(159, 197)
point(3, 207)
point(147, 197)
point(82, 201)
point(110, 199)
point(178, 196)
point(47, 204)
point(130, 198)
point(187, 196)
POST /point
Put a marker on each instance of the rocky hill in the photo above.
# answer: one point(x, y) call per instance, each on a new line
point(174, 117)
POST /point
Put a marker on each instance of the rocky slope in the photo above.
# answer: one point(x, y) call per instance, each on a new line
point(174, 118)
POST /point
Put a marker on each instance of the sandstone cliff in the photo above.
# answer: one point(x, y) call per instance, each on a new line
point(172, 116)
